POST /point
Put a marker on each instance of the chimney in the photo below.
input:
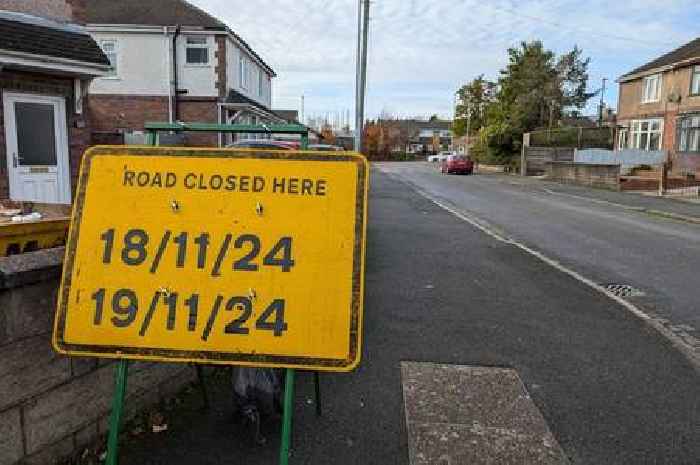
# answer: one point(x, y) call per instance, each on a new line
point(77, 11)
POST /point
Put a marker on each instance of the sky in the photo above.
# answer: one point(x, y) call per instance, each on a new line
point(422, 51)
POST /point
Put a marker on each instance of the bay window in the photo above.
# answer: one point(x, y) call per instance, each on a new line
point(689, 134)
point(646, 134)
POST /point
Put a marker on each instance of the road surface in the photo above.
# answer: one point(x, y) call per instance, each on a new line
point(613, 390)
point(589, 233)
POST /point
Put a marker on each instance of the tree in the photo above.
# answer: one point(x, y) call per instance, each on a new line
point(473, 102)
point(327, 134)
point(534, 90)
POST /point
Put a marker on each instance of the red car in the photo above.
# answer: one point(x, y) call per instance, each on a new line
point(460, 164)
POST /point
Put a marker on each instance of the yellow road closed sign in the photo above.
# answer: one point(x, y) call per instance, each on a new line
point(216, 256)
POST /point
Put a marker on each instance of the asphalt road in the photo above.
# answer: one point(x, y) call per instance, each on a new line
point(613, 390)
point(582, 230)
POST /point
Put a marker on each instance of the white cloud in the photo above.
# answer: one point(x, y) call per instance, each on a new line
point(421, 50)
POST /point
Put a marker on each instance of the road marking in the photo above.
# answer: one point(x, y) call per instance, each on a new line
point(690, 352)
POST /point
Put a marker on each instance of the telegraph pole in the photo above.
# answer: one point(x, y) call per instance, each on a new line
point(301, 119)
point(361, 78)
point(602, 103)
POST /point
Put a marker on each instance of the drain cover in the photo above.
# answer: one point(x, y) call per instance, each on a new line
point(624, 290)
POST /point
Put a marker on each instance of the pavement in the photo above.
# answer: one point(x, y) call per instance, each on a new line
point(609, 237)
point(611, 389)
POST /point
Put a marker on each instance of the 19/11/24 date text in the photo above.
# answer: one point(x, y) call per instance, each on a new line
point(133, 250)
point(126, 309)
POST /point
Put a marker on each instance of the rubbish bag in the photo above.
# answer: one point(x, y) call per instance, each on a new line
point(257, 392)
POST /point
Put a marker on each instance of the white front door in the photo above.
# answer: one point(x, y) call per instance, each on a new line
point(37, 147)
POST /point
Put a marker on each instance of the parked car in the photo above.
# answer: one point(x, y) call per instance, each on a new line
point(459, 164)
point(326, 148)
point(440, 157)
point(265, 144)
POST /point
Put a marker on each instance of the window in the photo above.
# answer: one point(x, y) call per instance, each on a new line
point(243, 72)
point(197, 51)
point(109, 47)
point(689, 134)
point(646, 134)
point(261, 83)
point(622, 136)
point(695, 80)
point(651, 88)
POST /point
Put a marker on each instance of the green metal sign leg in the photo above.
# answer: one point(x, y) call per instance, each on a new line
point(287, 416)
point(115, 420)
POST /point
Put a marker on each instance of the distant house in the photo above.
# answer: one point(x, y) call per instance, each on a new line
point(659, 107)
point(427, 136)
point(172, 61)
point(46, 64)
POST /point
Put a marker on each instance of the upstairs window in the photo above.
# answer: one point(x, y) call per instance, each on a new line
point(197, 51)
point(261, 83)
point(689, 134)
point(109, 47)
point(646, 134)
point(651, 91)
point(695, 80)
point(243, 72)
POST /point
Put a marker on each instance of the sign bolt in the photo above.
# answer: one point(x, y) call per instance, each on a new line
point(259, 208)
point(164, 291)
point(175, 206)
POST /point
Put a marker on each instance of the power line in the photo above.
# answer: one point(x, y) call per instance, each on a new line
point(579, 29)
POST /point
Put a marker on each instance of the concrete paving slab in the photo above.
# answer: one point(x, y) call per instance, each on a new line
point(473, 415)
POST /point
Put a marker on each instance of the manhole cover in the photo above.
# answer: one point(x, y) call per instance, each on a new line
point(624, 290)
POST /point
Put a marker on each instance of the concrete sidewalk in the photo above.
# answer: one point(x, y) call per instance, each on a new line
point(661, 206)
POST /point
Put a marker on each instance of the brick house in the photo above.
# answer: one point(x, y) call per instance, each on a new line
point(174, 62)
point(46, 65)
point(659, 107)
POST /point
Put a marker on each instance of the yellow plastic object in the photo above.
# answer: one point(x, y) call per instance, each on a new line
point(16, 238)
point(218, 256)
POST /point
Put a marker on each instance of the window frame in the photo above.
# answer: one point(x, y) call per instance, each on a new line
point(243, 72)
point(205, 46)
point(261, 83)
point(114, 67)
point(679, 123)
point(694, 74)
point(657, 95)
point(635, 135)
point(623, 138)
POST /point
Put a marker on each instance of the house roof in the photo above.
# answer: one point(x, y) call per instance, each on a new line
point(28, 34)
point(686, 52)
point(159, 13)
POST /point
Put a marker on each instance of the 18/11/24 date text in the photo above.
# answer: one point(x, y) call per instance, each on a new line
point(134, 250)
point(127, 309)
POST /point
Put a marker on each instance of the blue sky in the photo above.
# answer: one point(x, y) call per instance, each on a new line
point(422, 50)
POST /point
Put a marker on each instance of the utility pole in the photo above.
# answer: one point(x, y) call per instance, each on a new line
point(301, 119)
point(361, 78)
point(602, 104)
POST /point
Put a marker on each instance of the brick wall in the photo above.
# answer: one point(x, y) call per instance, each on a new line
point(221, 78)
point(52, 406)
point(124, 113)
point(78, 125)
point(200, 111)
point(602, 176)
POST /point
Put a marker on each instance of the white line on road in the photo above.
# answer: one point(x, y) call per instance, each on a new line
point(690, 352)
